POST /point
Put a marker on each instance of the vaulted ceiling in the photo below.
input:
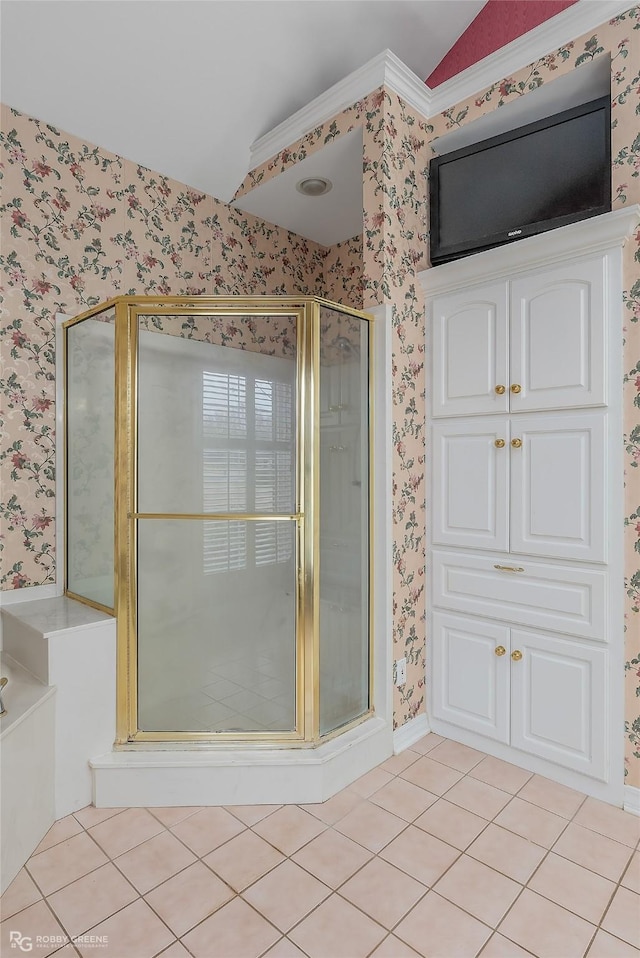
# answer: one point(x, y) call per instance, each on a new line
point(185, 86)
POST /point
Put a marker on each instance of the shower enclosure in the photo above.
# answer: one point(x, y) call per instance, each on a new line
point(218, 501)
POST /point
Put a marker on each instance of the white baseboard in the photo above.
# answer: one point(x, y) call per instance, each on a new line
point(410, 732)
point(632, 799)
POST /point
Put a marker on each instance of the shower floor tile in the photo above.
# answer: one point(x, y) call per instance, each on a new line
point(227, 881)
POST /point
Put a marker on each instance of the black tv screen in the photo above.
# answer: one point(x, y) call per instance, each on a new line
point(538, 177)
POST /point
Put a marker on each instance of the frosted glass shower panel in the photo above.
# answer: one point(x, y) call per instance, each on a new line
point(217, 414)
point(216, 625)
point(344, 519)
point(90, 425)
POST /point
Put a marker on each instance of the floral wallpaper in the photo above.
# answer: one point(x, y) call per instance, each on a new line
point(86, 225)
point(395, 192)
point(81, 225)
point(397, 144)
point(342, 280)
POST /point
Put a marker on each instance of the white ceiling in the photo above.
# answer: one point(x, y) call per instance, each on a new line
point(186, 86)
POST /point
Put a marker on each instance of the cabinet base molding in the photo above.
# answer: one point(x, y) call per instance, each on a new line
point(411, 732)
point(612, 792)
point(632, 799)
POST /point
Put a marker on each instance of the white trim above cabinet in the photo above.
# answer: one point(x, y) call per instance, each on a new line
point(525, 502)
point(549, 249)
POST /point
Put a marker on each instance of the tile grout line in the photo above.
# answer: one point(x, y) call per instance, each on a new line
point(289, 857)
point(49, 906)
point(374, 855)
point(616, 885)
point(377, 854)
point(432, 888)
point(536, 869)
point(139, 895)
point(525, 885)
point(336, 890)
point(597, 925)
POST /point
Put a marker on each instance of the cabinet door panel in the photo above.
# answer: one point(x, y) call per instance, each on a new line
point(470, 484)
point(470, 351)
point(558, 699)
point(558, 598)
point(558, 504)
point(557, 337)
point(471, 683)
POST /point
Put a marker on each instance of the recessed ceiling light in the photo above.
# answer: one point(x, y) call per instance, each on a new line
point(314, 186)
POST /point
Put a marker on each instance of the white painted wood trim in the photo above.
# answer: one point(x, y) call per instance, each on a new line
point(409, 733)
point(382, 546)
point(385, 69)
point(610, 792)
point(616, 511)
point(632, 799)
point(544, 249)
point(60, 444)
point(580, 18)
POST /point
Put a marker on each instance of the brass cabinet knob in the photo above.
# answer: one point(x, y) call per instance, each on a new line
point(516, 443)
point(501, 390)
point(517, 655)
point(516, 388)
point(500, 650)
point(499, 443)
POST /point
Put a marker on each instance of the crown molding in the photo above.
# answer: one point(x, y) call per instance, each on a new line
point(577, 19)
point(403, 81)
point(385, 69)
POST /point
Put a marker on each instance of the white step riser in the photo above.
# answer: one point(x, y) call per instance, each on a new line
point(27, 752)
point(240, 777)
point(72, 647)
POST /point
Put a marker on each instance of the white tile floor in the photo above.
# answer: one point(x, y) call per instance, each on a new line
point(441, 852)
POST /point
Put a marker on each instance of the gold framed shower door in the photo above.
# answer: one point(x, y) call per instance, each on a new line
point(306, 310)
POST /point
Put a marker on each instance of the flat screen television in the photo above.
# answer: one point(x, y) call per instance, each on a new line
point(544, 175)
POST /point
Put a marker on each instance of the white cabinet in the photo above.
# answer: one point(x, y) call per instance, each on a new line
point(557, 336)
point(470, 683)
point(558, 707)
point(558, 491)
point(531, 343)
point(471, 483)
point(470, 351)
point(567, 599)
point(540, 693)
point(524, 502)
point(523, 484)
